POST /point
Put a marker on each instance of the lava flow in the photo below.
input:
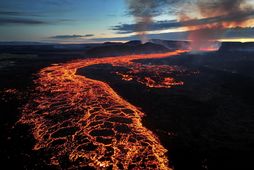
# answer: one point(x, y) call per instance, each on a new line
point(152, 76)
point(81, 122)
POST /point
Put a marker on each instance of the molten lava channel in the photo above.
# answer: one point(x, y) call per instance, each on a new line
point(86, 121)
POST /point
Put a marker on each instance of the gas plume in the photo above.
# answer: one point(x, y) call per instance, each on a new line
point(205, 20)
point(224, 13)
point(143, 12)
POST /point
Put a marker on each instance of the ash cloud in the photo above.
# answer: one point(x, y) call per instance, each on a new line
point(144, 11)
point(223, 14)
point(209, 18)
point(170, 24)
point(230, 33)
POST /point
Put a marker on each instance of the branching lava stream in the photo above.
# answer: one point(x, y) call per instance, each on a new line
point(85, 121)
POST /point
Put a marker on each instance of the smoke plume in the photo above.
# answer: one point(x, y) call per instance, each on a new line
point(144, 11)
point(205, 20)
point(231, 13)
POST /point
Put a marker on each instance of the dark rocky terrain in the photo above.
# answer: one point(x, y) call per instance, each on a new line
point(205, 124)
point(208, 122)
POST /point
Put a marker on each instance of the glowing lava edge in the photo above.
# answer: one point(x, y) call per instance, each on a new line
point(86, 121)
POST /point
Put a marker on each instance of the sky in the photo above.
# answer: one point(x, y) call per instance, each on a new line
point(85, 21)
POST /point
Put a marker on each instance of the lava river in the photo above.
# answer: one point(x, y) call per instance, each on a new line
point(81, 122)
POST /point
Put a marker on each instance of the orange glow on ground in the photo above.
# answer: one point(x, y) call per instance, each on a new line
point(209, 49)
point(153, 76)
point(86, 121)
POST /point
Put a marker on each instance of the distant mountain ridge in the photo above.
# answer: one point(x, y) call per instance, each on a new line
point(131, 47)
point(237, 46)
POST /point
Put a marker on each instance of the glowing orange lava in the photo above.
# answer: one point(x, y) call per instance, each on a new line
point(152, 76)
point(208, 49)
point(88, 123)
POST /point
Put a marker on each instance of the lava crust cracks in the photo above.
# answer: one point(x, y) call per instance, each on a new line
point(89, 123)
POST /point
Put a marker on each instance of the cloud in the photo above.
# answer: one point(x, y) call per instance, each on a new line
point(144, 12)
point(29, 21)
point(159, 25)
point(21, 21)
point(18, 13)
point(239, 33)
point(41, 8)
point(152, 8)
point(10, 13)
point(89, 35)
point(170, 24)
point(57, 3)
point(229, 34)
point(71, 36)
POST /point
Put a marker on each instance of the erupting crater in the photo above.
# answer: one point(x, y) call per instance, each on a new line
point(88, 123)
